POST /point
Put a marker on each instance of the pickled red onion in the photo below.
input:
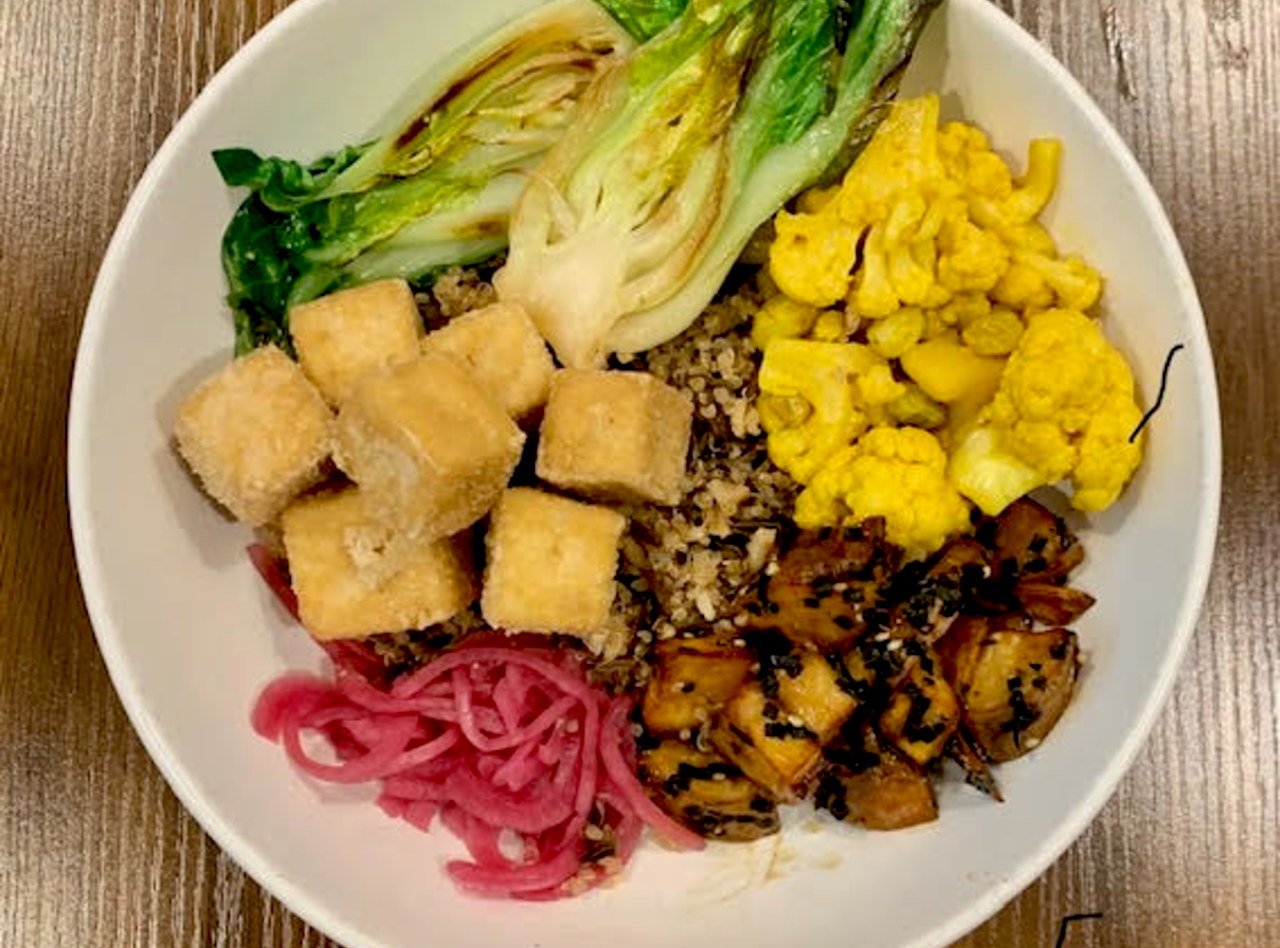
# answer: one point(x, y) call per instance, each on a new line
point(500, 741)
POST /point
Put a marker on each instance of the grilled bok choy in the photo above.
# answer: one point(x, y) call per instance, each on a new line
point(435, 190)
point(631, 223)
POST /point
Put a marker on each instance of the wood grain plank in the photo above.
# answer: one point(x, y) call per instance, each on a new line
point(95, 851)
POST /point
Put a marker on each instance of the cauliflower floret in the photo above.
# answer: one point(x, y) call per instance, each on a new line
point(1064, 409)
point(817, 397)
point(1023, 287)
point(1075, 284)
point(781, 318)
point(812, 256)
point(913, 407)
point(897, 333)
point(971, 259)
point(830, 326)
point(994, 334)
point(895, 473)
point(873, 295)
point(1024, 202)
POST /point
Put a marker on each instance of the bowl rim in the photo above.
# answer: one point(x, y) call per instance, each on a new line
point(314, 911)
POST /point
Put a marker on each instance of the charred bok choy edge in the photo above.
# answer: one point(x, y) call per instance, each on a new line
point(436, 189)
point(631, 223)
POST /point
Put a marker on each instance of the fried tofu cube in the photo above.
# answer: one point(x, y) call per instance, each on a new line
point(778, 753)
point(256, 434)
point(505, 351)
point(341, 597)
point(551, 564)
point(615, 436)
point(693, 678)
point(429, 447)
point(343, 336)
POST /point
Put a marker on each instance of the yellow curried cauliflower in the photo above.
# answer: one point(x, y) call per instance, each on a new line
point(1064, 410)
point(781, 318)
point(895, 473)
point(930, 215)
point(816, 398)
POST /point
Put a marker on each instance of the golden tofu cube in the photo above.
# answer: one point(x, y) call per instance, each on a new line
point(815, 697)
point(504, 350)
point(340, 597)
point(616, 436)
point(693, 678)
point(350, 333)
point(773, 748)
point(256, 434)
point(551, 564)
point(430, 449)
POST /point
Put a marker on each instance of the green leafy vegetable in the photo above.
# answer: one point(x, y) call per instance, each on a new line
point(636, 216)
point(644, 19)
point(433, 191)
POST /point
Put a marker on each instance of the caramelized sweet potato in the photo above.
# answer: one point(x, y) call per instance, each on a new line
point(826, 584)
point(976, 771)
point(707, 793)
point(874, 786)
point(692, 679)
point(1013, 684)
point(953, 580)
point(1051, 604)
point(921, 716)
point(775, 727)
point(1033, 543)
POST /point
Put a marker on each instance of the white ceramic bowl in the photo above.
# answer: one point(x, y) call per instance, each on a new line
point(190, 635)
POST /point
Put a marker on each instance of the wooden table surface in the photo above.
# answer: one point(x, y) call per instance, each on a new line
point(95, 850)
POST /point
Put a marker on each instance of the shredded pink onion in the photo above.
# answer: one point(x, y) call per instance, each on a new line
point(503, 742)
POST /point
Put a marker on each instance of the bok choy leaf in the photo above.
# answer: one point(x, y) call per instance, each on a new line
point(433, 191)
point(629, 226)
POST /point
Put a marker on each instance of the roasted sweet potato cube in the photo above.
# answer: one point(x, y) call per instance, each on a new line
point(775, 750)
point(256, 434)
point(817, 696)
point(1032, 542)
point(1012, 684)
point(343, 336)
point(977, 774)
point(824, 583)
point(875, 787)
point(707, 793)
point(619, 436)
point(691, 680)
point(1051, 604)
point(922, 714)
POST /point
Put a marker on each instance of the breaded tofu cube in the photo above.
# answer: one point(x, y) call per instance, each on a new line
point(551, 564)
point(347, 334)
point(430, 448)
point(504, 350)
point(340, 597)
point(615, 436)
point(256, 434)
